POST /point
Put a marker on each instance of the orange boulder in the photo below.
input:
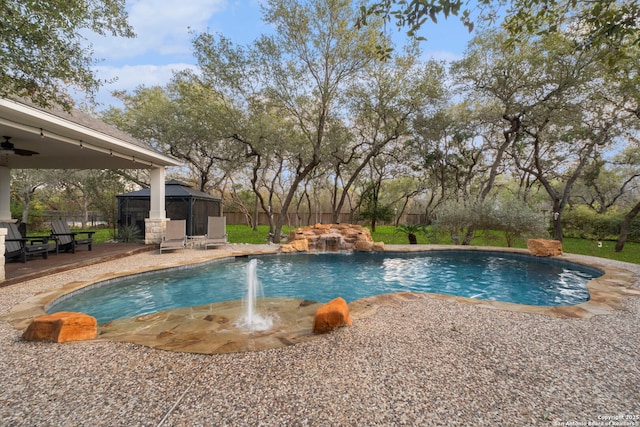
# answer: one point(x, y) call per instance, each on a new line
point(295, 246)
point(331, 315)
point(63, 326)
point(543, 247)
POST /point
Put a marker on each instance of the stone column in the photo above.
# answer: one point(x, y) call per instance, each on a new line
point(153, 230)
point(5, 194)
point(157, 209)
point(3, 234)
point(155, 224)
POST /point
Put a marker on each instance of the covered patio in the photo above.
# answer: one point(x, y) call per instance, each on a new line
point(17, 272)
point(34, 138)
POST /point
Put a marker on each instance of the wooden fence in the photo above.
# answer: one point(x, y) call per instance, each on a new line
point(304, 219)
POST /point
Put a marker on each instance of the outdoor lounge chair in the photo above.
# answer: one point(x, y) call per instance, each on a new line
point(67, 239)
point(216, 231)
point(175, 235)
point(20, 247)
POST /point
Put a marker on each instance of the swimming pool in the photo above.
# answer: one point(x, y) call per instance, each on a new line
point(499, 276)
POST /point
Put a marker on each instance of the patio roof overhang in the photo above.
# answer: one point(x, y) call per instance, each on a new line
point(70, 141)
point(56, 139)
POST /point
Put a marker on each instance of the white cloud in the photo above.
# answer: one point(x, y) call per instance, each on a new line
point(129, 77)
point(442, 55)
point(162, 28)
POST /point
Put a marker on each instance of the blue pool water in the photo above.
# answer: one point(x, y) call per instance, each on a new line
point(496, 276)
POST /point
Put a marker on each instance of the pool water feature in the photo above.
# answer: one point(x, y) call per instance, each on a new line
point(499, 276)
point(251, 319)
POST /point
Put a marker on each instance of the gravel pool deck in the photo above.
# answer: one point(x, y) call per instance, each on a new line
point(426, 361)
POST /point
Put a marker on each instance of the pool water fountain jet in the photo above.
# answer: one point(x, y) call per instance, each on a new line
point(251, 319)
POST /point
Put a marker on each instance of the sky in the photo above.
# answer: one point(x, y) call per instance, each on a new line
point(164, 34)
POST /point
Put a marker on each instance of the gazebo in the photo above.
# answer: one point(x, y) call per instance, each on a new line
point(181, 202)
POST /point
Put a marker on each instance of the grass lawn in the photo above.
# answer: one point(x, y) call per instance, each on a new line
point(389, 235)
point(630, 253)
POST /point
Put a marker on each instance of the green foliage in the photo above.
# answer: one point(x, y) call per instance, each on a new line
point(511, 217)
point(601, 23)
point(129, 234)
point(188, 120)
point(411, 231)
point(375, 213)
point(35, 219)
point(514, 219)
point(455, 219)
point(582, 222)
point(43, 47)
point(245, 234)
point(412, 15)
point(372, 210)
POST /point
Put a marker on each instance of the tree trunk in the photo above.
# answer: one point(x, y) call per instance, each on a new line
point(468, 237)
point(27, 206)
point(256, 213)
point(85, 212)
point(292, 191)
point(557, 220)
point(624, 231)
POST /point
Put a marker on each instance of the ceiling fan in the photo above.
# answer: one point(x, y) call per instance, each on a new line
point(6, 145)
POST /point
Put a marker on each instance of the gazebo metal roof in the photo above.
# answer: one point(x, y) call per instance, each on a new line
point(173, 188)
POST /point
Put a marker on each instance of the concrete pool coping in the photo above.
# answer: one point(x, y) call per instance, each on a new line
point(209, 329)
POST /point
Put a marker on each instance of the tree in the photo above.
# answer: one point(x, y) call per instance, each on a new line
point(25, 183)
point(383, 103)
point(300, 72)
point(626, 79)
point(626, 224)
point(43, 49)
point(371, 207)
point(610, 24)
point(511, 216)
point(446, 150)
point(188, 120)
point(607, 183)
point(631, 215)
point(554, 116)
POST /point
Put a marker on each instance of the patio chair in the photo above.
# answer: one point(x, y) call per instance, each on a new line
point(20, 247)
point(175, 235)
point(216, 231)
point(67, 239)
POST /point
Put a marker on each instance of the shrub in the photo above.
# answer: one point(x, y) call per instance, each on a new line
point(582, 222)
point(129, 233)
point(454, 219)
point(411, 230)
point(512, 217)
point(515, 219)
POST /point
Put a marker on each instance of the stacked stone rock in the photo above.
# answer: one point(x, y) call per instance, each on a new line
point(331, 237)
